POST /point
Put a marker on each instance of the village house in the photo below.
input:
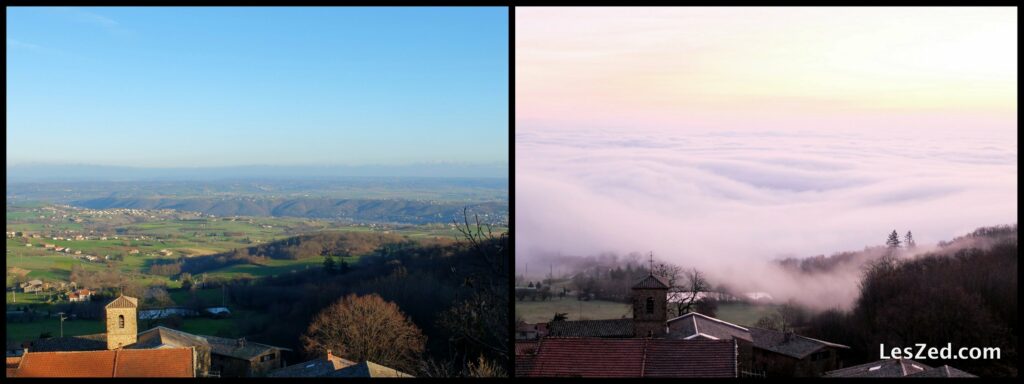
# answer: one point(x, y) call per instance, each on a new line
point(760, 352)
point(213, 356)
point(32, 286)
point(897, 368)
point(786, 354)
point(80, 295)
point(527, 331)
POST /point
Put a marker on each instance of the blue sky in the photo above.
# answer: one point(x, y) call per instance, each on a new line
point(196, 87)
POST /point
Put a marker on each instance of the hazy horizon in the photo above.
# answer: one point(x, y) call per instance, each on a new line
point(41, 172)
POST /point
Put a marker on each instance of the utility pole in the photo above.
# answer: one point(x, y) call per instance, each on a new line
point(62, 323)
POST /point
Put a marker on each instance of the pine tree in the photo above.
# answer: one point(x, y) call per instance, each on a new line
point(894, 240)
point(909, 240)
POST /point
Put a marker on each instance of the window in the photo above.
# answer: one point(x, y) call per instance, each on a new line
point(120, 321)
point(266, 357)
point(650, 305)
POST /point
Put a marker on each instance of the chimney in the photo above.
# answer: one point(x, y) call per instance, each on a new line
point(328, 356)
point(788, 335)
point(241, 342)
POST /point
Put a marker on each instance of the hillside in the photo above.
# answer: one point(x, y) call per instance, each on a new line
point(963, 293)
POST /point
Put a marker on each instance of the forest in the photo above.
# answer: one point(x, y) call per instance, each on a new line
point(964, 293)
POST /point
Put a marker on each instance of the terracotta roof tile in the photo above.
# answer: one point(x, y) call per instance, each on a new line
point(591, 328)
point(67, 364)
point(12, 365)
point(526, 347)
point(597, 357)
point(168, 362)
point(164, 362)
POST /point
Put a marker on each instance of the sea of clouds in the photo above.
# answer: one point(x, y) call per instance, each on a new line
point(729, 202)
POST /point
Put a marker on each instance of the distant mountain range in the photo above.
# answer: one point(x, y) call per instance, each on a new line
point(78, 172)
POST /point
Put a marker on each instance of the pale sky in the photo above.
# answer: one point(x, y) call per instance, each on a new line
point(781, 67)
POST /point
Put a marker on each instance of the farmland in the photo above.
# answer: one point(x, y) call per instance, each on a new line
point(130, 241)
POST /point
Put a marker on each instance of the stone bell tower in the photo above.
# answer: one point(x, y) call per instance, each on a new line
point(650, 306)
point(122, 327)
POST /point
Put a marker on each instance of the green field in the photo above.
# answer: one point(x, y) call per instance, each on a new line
point(744, 314)
point(32, 330)
point(179, 234)
point(273, 267)
point(542, 311)
point(228, 327)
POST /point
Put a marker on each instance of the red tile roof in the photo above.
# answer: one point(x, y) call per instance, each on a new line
point(164, 362)
point(169, 362)
point(526, 347)
point(597, 357)
point(12, 365)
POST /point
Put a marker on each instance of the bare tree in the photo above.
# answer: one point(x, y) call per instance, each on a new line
point(474, 323)
point(685, 294)
point(791, 314)
point(366, 328)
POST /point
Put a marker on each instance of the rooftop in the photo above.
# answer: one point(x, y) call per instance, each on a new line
point(367, 369)
point(124, 302)
point(313, 368)
point(158, 336)
point(597, 357)
point(167, 362)
point(695, 325)
point(794, 345)
point(651, 281)
point(591, 328)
